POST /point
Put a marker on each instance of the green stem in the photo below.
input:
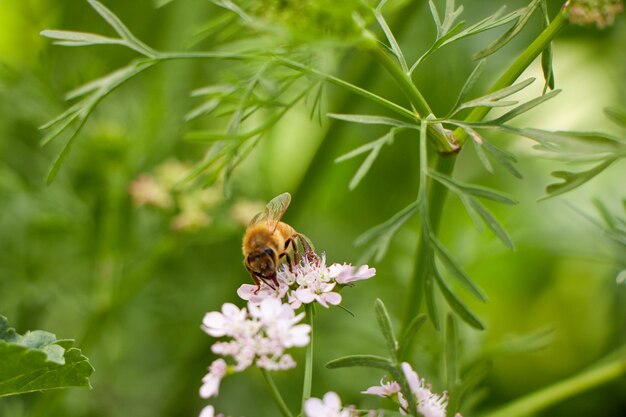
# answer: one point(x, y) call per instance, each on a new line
point(553, 394)
point(516, 69)
point(276, 394)
point(436, 200)
point(444, 143)
point(308, 362)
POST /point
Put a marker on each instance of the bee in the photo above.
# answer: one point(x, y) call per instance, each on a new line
point(267, 240)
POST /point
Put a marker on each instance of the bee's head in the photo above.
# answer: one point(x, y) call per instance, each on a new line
point(263, 261)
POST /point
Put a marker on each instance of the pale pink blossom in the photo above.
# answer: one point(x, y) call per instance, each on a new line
point(346, 273)
point(330, 406)
point(385, 389)
point(208, 411)
point(211, 381)
point(307, 282)
point(230, 322)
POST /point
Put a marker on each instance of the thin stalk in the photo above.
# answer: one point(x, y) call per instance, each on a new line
point(284, 410)
point(516, 69)
point(555, 393)
point(308, 361)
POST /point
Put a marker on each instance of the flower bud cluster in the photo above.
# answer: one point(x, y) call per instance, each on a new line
point(600, 12)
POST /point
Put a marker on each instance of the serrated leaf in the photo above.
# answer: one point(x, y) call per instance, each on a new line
point(371, 120)
point(406, 340)
point(493, 224)
point(368, 361)
point(384, 322)
point(451, 355)
point(509, 34)
point(37, 362)
point(617, 115)
point(456, 271)
point(457, 305)
point(493, 99)
point(70, 38)
point(572, 180)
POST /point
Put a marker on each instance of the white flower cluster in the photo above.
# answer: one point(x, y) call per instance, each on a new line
point(307, 282)
point(329, 406)
point(429, 404)
point(258, 335)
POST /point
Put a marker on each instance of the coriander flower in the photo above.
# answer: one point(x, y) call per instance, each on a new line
point(308, 281)
point(330, 406)
point(429, 404)
point(208, 411)
point(211, 381)
point(257, 335)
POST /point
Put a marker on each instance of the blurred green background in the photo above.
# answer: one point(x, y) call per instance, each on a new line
point(77, 258)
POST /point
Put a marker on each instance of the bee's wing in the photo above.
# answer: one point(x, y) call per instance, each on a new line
point(275, 209)
point(260, 217)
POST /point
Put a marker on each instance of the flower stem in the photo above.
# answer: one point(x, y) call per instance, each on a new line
point(564, 389)
point(276, 394)
point(308, 361)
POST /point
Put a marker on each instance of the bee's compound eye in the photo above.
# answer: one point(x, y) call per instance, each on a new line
point(269, 252)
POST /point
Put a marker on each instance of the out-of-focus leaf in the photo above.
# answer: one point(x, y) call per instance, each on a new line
point(457, 305)
point(368, 361)
point(407, 337)
point(572, 180)
point(37, 361)
point(431, 301)
point(451, 354)
point(523, 108)
point(205, 108)
point(617, 115)
point(70, 38)
point(505, 159)
point(384, 322)
point(469, 84)
point(371, 120)
point(572, 142)
point(475, 190)
point(393, 44)
point(511, 33)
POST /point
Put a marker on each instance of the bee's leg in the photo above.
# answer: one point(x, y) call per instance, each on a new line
point(289, 264)
point(296, 259)
point(309, 253)
point(256, 279)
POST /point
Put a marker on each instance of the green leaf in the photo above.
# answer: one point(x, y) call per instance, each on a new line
point(407, 337)
point(509, 34)
point(381, 234)
point(374, 149)
point(492, 223)
point(451, 355)
point(469, 84)
point(384, 321)
point(395, 48)
point(493, 99)
point(205, 108)
point(368, 361)
point(523, 108)
point(482, 156)
point(431, 301)
point(371, 120)
point(37, 361)
point(456, 270)
point(56, 165)
point(475, 190)
point(121, 29)
point(457, 305)
point(617, 115)
point(69, 38)
point(572, 180)
point(573, 142)
point(505, 159)
point(546, 55)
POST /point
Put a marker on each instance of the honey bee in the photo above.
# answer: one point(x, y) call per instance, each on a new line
point(267, 240)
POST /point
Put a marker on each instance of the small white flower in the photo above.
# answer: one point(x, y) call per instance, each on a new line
point(227, 323)
point(329, 407)
point(207, 411)
point(429, 404)
point(211, 381)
